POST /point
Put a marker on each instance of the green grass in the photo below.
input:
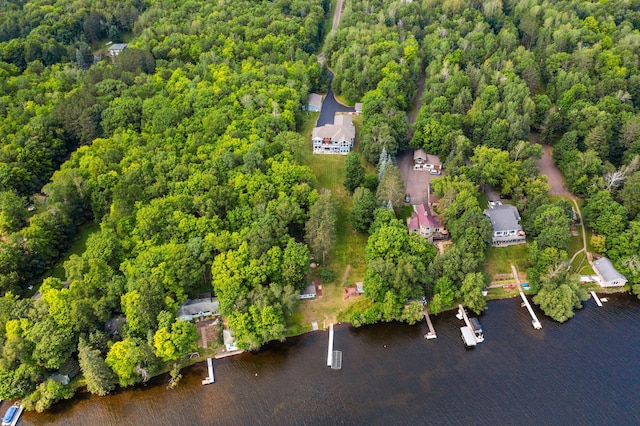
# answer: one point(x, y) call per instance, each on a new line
point(500, 259)
point(78, 247)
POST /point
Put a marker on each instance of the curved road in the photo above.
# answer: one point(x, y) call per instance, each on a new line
point(330, 106)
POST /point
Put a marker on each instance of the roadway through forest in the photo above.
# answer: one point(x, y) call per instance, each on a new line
point(557, 185)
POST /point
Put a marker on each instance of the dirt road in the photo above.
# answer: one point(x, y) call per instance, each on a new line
point(548, 168)
point(336, 15)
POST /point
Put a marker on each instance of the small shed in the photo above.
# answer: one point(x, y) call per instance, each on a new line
point(229, 341)
point(358, 108)
point(607, 274)
point(314, 102)
point(309, 292)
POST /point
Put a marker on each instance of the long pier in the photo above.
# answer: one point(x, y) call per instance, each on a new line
point(211, 378)
point(596, 298)
point(525, 302)
point(330, 351)
point(432, 332)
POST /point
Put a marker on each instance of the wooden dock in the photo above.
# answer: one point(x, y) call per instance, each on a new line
point(211, 378)
point(595, 297)
point(525, 302)
point(330, 351)
point(432, 332)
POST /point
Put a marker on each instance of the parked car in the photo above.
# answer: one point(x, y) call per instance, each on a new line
point(407, 198)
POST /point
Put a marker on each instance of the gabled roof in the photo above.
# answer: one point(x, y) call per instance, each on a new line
point(504, 217)
point(358, 107)
point(419, 153)
point(342, 130)
point(607, 271)
point(196, 306)
point(118, 47)
point(315, 100)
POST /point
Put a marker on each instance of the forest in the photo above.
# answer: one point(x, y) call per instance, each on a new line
point(186, 150)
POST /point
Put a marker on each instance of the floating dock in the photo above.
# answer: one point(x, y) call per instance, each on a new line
point(595, 297)
point(330, 351)
point(525, 302)
point(211, 378)
point(432, 332)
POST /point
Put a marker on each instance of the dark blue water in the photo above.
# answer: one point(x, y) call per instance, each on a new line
point(586, 371)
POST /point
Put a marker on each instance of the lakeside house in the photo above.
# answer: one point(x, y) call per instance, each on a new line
point(314, 102)
point(426, 224)
point(505, 221)
point(197, 308)
point(608, 275)
point(336, 138)
point(428, 162)
point(117, 48)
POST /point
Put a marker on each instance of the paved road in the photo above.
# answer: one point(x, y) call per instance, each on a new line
point(330, 106)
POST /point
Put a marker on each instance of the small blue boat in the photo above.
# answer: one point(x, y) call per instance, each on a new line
point(8, 416)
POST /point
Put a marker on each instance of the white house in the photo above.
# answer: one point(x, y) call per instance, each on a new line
point(197, 308)
point(336, 138)
point(314, 102)
point(608, 276)
point(424, 161)
point(116, 49)
point(505, 221)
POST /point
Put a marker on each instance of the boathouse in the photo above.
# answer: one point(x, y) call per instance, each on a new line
point(608, 276)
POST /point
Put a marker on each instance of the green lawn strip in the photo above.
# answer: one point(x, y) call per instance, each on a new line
point(78, 247)
point(500, 259)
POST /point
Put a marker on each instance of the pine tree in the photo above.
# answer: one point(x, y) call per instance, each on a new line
point(353, 172)
point(98, 376)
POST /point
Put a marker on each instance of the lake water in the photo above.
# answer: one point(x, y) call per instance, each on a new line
point(586, 371)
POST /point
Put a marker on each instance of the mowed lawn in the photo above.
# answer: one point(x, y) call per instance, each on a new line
point(347, 260)
point(500, 259)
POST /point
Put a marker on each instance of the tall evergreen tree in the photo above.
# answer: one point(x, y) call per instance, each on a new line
point(353, 171)
point(97, 374)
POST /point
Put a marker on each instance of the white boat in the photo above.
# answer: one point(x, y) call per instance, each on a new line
point(12, 415)
point(477, 329)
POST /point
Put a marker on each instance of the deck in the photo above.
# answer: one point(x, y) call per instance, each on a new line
point(432, 332)
point(525, 302)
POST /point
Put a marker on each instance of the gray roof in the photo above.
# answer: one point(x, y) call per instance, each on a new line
point(358, 107)
point(194, 307)
point(607, 271)
point(504, 217)
point(315, 100)
point(420, 154)
point(118, 47)
point(310, 289)
point(342, 130)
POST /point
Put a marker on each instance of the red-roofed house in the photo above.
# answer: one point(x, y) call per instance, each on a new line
point(423, 222)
